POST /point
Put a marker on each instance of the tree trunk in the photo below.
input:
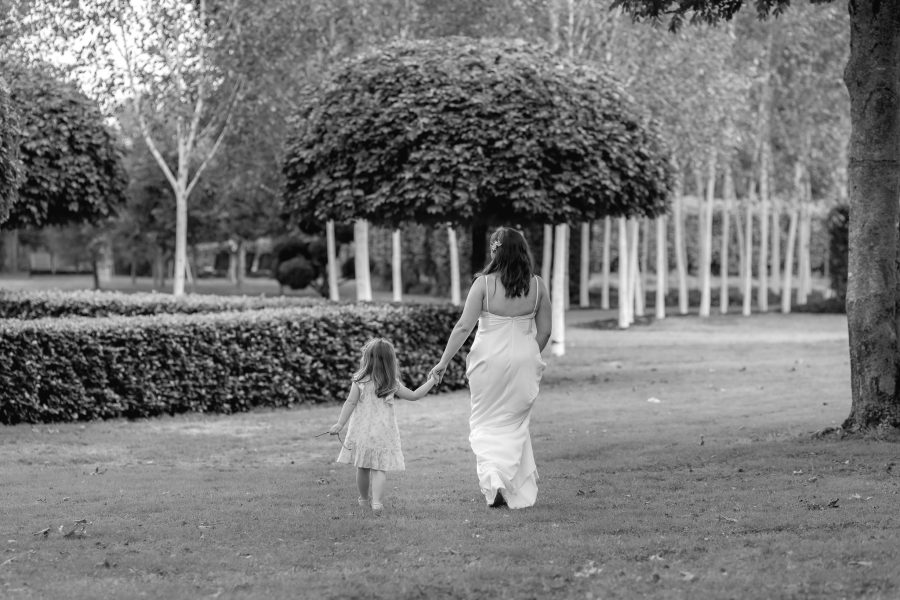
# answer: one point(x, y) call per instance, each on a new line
point(803, 255)
point(747, 280)
point(104, 261)
point(634, 272)
point(728, 195)
point(11, 251)
point(706, 210)
point(232, 261)
point(558, 337)
point(662, 266)
point(872, 77)
point(607, 240)
point(624, 290)
point(361, 260)
point(680, 252)
point(547, 258)
point(762, 291)
point(331, 250)
point(241, 264)
point(645, 254)
point(739, 236)
point(787, 288)
point(567, 303)
point(453, 243)
point(584, 299)
point(775, 239)
point(396, 264)
point(180, 238)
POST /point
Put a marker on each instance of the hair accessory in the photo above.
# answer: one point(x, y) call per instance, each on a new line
point(495, 245)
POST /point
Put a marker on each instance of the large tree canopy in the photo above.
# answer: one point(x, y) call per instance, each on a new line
point(9, 155)
point(71, 160)
point(460, 130)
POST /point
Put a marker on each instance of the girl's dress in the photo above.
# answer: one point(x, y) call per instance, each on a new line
point(373, 438)
point(504, 368)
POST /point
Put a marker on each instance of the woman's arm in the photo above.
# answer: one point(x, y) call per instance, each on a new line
point(347, 410)
point(404, 393)
point(465, 324)
point(543, 319)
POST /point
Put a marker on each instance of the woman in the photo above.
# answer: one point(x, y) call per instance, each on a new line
point(504, 367)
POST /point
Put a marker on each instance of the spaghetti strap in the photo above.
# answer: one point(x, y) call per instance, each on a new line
point(487, 295)
point(537, 295)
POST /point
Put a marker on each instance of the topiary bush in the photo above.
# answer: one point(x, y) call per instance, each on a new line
point(40, 304)
point(80, 369)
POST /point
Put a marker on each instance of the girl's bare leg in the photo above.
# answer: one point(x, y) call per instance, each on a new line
point(362, 482)
point(378, 479)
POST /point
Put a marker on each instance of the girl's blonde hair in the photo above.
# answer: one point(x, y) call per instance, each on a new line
point(379, 364)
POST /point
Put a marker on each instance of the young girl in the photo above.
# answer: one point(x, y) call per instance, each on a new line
point(373, 440)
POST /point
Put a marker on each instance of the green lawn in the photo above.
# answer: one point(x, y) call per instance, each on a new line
point(716, 491)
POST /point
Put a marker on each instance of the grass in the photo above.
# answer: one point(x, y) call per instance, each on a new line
point(718, 490)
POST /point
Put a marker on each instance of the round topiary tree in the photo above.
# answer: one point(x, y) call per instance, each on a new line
point(10, 168)
point(458, 131)
point(72, 163)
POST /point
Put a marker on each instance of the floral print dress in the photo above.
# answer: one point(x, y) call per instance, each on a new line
point(373, 439)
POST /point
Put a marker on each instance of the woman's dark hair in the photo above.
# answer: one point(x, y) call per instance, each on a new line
point(511, 259)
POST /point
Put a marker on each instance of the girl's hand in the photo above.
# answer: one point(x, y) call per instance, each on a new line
point(335, 429)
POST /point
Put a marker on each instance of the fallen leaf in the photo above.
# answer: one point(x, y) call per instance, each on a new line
point(687, 576)
point(833, 503)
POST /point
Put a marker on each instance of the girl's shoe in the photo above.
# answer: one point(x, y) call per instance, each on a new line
point(377, 508)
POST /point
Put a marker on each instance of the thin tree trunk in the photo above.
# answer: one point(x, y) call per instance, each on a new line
point(453, 243)
point(180, 237)
point(607, 240)
point(680, 251)
point(547, 259)
point(762, 290)
point(583, 293)
point(662, 266)
point(728, 201)
point(775, 239)
point(232, 261)
point(331, 250)
point(361, 260)
point(397, 267)
point(624, 302)
point(645, 254)
point(634, 277)
point(241, 263)
point(706, 210)
point(786, 290)
point(11, 250)
point(558, 336)
point(747, 280)
point(803, 255)
point(567, 301)
point(739, 235)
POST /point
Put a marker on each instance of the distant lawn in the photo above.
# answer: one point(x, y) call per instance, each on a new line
point(717, 490)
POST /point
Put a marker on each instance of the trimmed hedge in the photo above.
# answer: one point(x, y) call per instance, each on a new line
point(40, 304)
point(80, 369)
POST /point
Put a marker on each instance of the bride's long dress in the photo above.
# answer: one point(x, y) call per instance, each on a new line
point(504, 368)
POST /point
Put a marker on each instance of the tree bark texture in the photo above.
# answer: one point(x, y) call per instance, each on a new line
point(361, 260)
point(872, 77)
point(662, 266)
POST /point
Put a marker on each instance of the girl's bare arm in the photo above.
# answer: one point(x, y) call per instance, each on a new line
point(347, 410)
point(404, 393)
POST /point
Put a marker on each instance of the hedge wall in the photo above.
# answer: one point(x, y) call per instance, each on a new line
point(40, 304)
point(79, 368)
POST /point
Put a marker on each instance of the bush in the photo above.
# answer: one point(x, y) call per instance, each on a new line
point(296, 273)
point(36, 305)
point(80, 369)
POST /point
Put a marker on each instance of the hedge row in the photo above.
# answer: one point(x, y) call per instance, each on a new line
point(79, 368)
point(40, 304)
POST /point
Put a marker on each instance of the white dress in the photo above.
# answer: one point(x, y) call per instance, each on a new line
point(504, 368)
point(373, 439)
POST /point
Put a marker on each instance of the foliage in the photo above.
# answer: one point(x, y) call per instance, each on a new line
point(839, 249)
point(71, 160)
point(10, 167)
point(300, 262)
point(56, 304)
point(456, 130)
point(81, 369)
point(699, 11)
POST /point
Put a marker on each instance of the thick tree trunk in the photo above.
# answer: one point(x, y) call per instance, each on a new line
point(361, 260)
point(789, 261)
point(560, 258)
point(396, 266)
point(584, 299)
point(624, 303)
point(872, 77)
point(453, 243)
point(607, 240)
point(331, 250)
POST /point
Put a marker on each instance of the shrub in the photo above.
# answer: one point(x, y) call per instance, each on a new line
point(296, 273)
point(79, 369)
point(36, 305)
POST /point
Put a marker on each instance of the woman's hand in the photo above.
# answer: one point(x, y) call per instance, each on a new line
point(437, 373)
